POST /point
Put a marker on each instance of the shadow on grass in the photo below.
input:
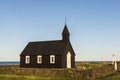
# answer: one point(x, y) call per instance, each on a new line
point(118, 71)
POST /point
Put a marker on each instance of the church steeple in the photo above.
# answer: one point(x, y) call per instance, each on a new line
point(65, 34)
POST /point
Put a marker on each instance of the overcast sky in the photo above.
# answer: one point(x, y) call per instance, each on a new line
point(94, 26)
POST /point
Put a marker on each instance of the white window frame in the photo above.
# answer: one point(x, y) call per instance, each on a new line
point(39, 59)
point(52, 59)
point(27, 59)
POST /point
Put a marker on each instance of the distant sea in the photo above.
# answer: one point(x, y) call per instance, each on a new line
point(9, 63)
point(18, 63)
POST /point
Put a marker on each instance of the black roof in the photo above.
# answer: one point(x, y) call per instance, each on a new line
point(48, 47)
point(44, 47)
point(65, 31)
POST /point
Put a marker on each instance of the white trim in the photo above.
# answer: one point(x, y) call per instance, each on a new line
point(27, 59)
point(68, 59)
point(52, 59)
point(39, 59)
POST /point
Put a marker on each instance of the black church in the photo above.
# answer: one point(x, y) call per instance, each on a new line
point(49, 54)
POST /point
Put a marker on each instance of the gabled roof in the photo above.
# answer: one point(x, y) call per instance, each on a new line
point(49, 47)
point(44, 47)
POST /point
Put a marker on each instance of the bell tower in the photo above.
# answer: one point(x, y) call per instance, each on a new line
point(65, 34)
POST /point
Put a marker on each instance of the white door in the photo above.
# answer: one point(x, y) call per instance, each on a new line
point(68, 60)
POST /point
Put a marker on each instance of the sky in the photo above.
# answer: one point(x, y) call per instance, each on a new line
point(94, 26)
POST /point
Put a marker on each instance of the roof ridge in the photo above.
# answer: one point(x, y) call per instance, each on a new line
point(46, 41)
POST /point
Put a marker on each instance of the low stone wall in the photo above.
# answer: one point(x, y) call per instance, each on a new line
point(89, 74)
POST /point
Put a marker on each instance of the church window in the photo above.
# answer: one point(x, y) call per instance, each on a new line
point(27, 59)
point(39, 59)
point(52, 59)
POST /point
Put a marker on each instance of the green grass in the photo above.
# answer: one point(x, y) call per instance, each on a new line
point(13, 72)
point(112, 76)
point(87, 65)
point(32, 77)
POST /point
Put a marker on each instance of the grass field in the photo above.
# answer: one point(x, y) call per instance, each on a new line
point(13, 72)
point(31, 77)
point(113, 76)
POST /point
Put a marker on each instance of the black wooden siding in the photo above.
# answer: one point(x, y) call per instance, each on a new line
point(45, 62)
point(59, 48)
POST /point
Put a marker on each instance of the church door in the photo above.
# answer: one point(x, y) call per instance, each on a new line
point(68, 60)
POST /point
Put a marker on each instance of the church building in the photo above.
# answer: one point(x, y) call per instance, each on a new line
point(49, 54)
